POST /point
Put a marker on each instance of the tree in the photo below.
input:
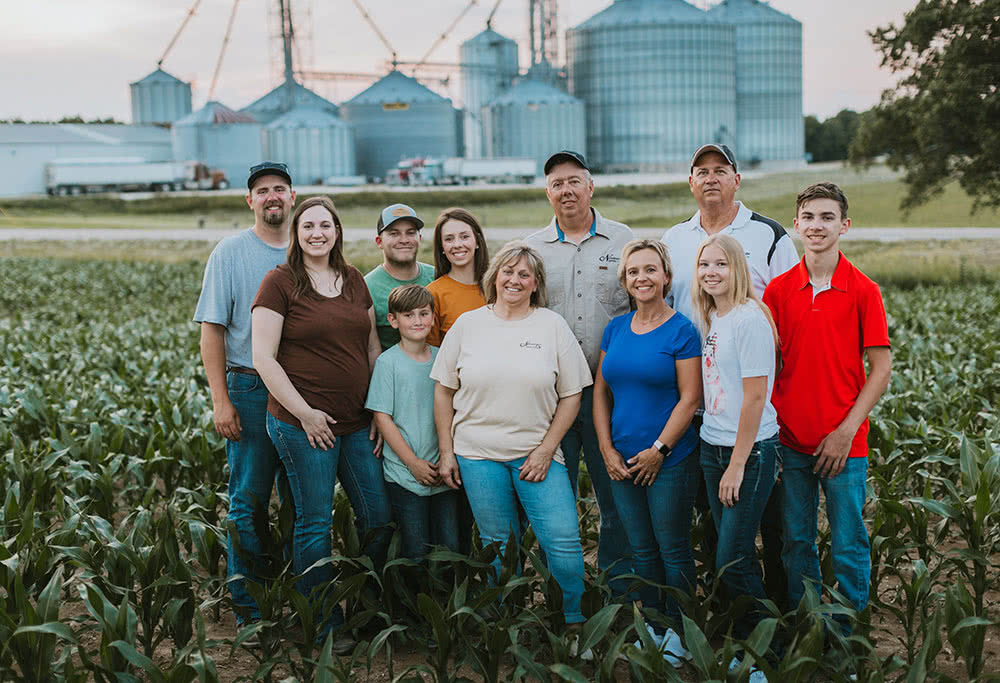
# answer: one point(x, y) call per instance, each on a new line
point(829, 140)
point(940, 122)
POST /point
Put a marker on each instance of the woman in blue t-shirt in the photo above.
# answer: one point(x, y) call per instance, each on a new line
point(647, 389)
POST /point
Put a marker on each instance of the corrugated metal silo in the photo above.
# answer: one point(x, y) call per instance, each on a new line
point(220, 137)
point(489, 66)
point(398, 118)
point(275, 103)
point(534, 119)
point(314, 143)
point(160, 98)
point(658, 79)
point(769, 123)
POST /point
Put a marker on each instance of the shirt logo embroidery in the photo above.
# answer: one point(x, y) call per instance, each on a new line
point(609, 258)
point(530, 345)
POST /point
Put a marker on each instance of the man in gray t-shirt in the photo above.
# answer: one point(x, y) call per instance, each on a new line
point(239, 399)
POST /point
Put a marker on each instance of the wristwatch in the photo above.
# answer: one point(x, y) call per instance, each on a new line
point(663, 448)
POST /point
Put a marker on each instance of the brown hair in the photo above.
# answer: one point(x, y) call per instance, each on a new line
point(296, 266)
point(822, 191)
point(512, 253)
point(406, 298)
point(661, 251)
point(442, 265)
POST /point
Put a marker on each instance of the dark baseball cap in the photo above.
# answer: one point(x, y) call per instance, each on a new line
point(268, 168)
point(564, 156)
point(721, 149)
point(396, 212)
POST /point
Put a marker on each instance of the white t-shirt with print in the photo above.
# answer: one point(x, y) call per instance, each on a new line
point(738, 345)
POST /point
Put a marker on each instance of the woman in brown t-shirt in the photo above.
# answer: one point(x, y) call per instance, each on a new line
point(314, 344)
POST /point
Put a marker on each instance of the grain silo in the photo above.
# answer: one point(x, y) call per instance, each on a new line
point(220, 137)
point(489, 66)
point(658, 79)
point(275, 103)
point(160, 98)
point(313, 142)
point(534, 119)
point(769, 125)
point(398, 118)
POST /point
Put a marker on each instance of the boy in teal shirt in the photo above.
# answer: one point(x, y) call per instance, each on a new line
point(401, 396)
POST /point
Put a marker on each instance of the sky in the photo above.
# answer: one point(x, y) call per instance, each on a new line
point(66, 57)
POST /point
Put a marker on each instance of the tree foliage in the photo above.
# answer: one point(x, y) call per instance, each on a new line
point(830, 139)
point(940, 121)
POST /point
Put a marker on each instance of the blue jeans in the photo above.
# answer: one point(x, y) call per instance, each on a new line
point(658, 524)
point(494, 490)
point(312, 475)
point(737, 526)
point(613, 549)
point(424, 521)
point(253, 463)
point(845, 497)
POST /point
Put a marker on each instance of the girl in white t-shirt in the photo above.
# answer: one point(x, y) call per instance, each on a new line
point(739, 436)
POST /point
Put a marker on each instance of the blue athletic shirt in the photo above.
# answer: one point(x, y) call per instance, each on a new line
point(639, 369)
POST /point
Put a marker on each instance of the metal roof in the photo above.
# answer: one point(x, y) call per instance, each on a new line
point(159, 76)
point(750, 12)
point(274, 101)
point(488, 36)
point(215, 112)
point(396, 87)
point(533, 91)
point(307, 117)
point(633, 12)
point(60, 133)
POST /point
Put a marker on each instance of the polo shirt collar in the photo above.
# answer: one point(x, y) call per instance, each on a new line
point(743, 215)
point(840, 274)
point(555, 234)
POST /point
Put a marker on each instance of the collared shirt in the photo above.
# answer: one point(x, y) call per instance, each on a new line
point(823, 339)
point(768, 247)
point(582, 279)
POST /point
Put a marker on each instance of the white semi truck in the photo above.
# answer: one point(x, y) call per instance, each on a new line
point(461, 171)
point(78, 176)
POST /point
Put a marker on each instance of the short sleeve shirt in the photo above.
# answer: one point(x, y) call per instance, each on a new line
point(738, 345)
point(233, 274)
point(323, 347)
point(451, 299)
point(823, 340)
point(640, 371)
point(509, 376)
point(402, 388)
point(769, 249)
point(380, 285)
point(582, 279)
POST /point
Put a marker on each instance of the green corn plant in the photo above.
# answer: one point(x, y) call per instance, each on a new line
point(32, 639)
point(115, 623)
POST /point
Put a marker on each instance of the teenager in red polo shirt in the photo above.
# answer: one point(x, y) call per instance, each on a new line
point(828, 315)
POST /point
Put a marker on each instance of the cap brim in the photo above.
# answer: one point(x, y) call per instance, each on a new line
point(561, 158)
point(419, 223)
point(267, 171)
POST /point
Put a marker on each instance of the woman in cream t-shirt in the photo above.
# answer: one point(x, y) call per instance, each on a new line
point(510, 375)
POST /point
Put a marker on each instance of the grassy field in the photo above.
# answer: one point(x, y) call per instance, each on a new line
point(875, 196)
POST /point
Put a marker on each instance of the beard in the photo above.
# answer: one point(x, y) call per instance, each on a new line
point(274, 218)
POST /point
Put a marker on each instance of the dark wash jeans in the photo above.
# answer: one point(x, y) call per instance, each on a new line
point(424, 521)
point(737, 526)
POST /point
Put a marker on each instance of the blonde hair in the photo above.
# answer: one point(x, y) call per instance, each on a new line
point(655, 245)
point(740, 285)
point(512, 252)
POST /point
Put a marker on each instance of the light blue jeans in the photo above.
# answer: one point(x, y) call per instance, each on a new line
point(494, 490)
point(845, 498)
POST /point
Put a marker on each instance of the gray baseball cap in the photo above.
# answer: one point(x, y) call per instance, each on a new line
point(396, 212)
point(721, 149)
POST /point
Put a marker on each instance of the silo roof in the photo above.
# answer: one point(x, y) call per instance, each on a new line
point(159, 76)
point(532, 91)
point(307, 117)
point(215, 112)
point(653, 12)
point(750, 12)
point(61, 133)
point(274, 101)
point(488, 36)
point(397, 87)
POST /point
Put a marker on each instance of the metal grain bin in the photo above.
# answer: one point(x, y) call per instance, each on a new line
point(160, 98)
point(220, 137)
point(489, 66)
point(658, 79)
point(275, 103)
point(534, 119)
point(769, 124)
point(398, 118)
point(314, 143)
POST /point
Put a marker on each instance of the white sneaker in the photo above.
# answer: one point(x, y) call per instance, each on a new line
point(757, 676)
point(574, 645)
point(673, 649)
point(657, 640)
